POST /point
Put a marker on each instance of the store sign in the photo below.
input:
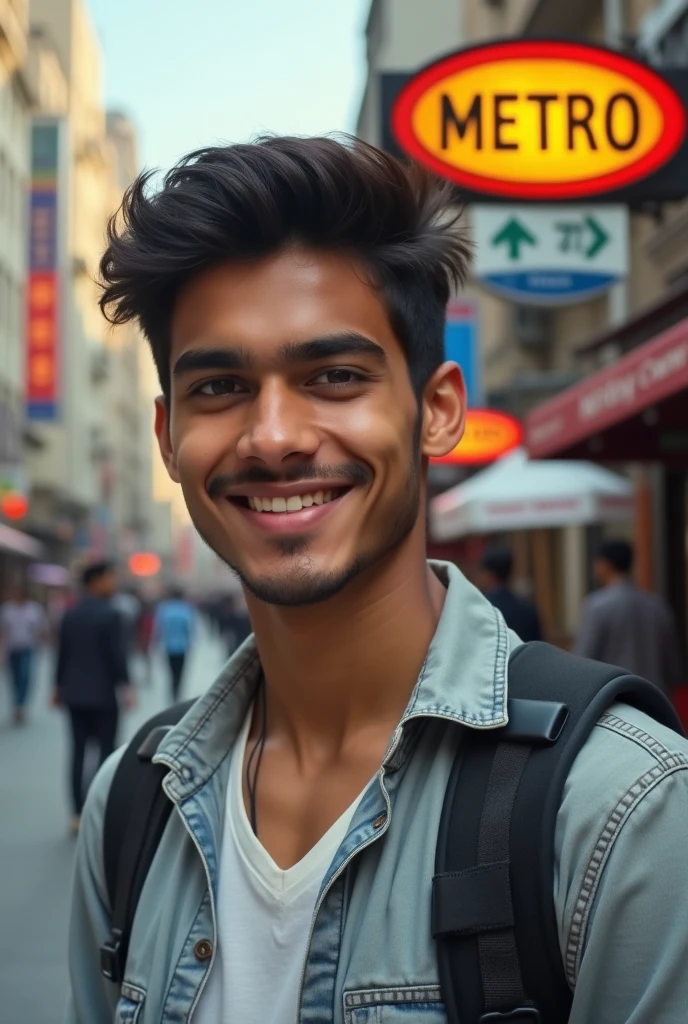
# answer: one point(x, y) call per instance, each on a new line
point(640, 379)
point(462, 346)
point(549, 255)
point(540, 119)
point(43, 314)
point(488, 435)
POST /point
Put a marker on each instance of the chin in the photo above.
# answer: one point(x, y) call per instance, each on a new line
point(299, 585)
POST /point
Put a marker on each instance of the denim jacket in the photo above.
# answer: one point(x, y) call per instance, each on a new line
point(619, 886)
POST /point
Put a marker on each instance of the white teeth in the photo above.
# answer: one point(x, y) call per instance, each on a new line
point(294, 503)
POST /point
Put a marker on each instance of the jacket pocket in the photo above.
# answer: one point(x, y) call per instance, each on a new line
point(419, 1004)
point(130, 1005)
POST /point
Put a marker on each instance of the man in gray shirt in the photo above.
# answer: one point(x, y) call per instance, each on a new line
point(624, 625)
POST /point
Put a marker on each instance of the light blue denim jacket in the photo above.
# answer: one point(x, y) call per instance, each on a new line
point(620, 885)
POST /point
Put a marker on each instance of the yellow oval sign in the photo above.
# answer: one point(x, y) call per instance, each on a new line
point(488, 434)
point(540, 120)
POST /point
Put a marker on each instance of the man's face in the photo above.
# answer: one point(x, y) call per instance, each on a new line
point(293, 427)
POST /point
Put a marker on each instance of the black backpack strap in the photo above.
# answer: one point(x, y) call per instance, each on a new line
point(493, 909)
point(136, 813)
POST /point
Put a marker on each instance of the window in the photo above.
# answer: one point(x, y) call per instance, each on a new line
point(663, 37)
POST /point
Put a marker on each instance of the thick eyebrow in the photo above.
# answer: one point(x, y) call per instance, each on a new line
point(347, 343)
point(344, 344)
point(200, 359)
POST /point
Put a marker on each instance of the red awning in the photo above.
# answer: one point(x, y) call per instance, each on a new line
point(637, 408)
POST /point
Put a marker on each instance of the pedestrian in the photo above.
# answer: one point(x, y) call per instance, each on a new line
point(519, 613)
point(23, 628)
point(294, 293)
point(234, 622)
point(174, 625)
point(624, 625)
point(128, 603)
point(91, 674)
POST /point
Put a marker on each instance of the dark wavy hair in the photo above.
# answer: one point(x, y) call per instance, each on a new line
point(247, 201)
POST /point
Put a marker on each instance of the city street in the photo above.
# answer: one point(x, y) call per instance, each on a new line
point(36, 849)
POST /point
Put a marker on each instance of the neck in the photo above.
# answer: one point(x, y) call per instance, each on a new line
point(353, 660)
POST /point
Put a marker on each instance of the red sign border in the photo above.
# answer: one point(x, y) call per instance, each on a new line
point(675, 119)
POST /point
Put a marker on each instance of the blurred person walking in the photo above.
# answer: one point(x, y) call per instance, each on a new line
point(91, 673)
point(23, 628)
point(521, 615)
point(173, 629)
point(624, 625)
point(129, 606)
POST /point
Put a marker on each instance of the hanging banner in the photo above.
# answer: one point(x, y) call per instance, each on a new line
point(538, 120)
point(43, 312)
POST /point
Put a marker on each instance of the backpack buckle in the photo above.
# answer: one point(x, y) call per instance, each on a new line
point(523, 1015)
point(111, 957)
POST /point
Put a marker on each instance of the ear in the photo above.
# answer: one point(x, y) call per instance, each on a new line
point(444, 411)
point(162, 432)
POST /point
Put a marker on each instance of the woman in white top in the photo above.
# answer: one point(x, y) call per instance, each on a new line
point(23, 627)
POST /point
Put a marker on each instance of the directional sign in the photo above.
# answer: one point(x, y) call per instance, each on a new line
point(550, 254)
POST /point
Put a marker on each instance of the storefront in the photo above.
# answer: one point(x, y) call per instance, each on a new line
point(635, 411)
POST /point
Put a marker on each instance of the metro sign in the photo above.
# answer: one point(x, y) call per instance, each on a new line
point(540, 120)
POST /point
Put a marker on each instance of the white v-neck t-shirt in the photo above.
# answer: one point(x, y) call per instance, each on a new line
point(264, 917)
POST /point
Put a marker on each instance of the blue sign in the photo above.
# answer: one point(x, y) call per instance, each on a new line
point(549, 286)
point(461, 345)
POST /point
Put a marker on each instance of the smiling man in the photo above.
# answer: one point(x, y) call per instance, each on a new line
point(293, 292)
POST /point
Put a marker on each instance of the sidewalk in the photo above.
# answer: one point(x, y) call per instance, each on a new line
point(36, 849)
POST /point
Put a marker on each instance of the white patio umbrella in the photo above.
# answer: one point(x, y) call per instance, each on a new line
point(518, 494)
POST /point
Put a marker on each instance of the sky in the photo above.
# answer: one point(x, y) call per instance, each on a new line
point(196, 72)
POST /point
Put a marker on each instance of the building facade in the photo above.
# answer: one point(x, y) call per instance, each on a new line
point(76, 395)
point(15, 123)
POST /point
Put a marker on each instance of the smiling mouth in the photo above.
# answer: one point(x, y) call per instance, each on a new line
point(294, 503)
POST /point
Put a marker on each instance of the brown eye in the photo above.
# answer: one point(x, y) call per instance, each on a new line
point(220, 386)
point(338, 376)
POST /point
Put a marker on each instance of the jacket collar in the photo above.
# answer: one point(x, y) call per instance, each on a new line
point(463, 679)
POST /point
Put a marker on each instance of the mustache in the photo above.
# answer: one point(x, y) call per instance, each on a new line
point(351, 472)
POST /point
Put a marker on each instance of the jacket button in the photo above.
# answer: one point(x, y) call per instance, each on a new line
point(203, 949)
point(379, 821)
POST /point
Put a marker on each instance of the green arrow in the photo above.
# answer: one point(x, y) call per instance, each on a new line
point(514, 235)
point(599, 239)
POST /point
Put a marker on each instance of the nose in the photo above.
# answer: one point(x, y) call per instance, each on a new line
point(279, 425)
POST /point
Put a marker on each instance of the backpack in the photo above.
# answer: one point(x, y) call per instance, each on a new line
point(493, 916)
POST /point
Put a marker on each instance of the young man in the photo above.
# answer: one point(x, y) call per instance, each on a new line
point(91, 674)
point(624, 625)
point(294, 295)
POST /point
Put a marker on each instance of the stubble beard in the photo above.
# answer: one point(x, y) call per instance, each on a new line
point(301, 583)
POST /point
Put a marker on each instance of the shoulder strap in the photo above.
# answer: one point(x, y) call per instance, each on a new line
point(136, 813)
point(493, 911)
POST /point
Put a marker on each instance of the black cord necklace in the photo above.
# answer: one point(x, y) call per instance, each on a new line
point(258, 748)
